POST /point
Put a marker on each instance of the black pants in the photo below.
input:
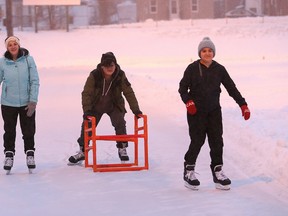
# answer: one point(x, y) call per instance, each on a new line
point(200, 125)
point(27, 124)
point(118, 122)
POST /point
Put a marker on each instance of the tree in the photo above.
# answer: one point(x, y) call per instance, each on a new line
point(8, 20)
point(106, 9)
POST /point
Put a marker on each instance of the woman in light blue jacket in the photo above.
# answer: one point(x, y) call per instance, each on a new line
point(20, 86)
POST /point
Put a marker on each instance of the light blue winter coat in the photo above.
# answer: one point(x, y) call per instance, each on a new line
point(20, 80)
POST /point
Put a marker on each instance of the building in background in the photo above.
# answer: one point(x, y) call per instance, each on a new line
point(104, 12)
point(127, 12)
point(208, 9)
point(275, 7)
point(174, 9)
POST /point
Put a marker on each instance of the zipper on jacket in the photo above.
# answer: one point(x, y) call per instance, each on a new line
point(200, 69)
point(103, 90)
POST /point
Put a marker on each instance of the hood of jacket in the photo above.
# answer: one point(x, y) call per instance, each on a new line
point(22, 52)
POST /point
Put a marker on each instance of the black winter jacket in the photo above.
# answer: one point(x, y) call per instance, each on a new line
point(202, 85)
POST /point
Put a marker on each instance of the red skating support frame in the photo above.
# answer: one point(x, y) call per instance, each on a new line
point(139, 132)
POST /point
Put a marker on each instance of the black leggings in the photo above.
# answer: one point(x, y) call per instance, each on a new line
point(27, 124)
point(200, 125)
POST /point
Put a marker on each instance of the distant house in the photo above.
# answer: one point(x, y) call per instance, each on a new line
point(174, 9)
point(127, 12)
point(202, 9)
point(184, 9)
point(275, 7)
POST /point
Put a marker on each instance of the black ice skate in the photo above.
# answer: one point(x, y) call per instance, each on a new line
point(122, 152)
point(221, 181)
point(77, 158)
point(189, 177)
point(30, 161)
point(8, 162)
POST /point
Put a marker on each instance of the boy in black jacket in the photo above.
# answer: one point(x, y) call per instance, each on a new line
point(200, 91)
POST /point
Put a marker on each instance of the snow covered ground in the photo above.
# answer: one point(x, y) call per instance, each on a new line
point(154, 57)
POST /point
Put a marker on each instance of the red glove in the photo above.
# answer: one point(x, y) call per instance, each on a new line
point(191, 108)
point(245, 112)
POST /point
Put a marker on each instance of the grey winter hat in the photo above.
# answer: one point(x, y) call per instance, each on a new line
point(206, 42)
point(108, 58)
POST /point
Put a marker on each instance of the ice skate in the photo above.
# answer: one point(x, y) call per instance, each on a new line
point(76, 159)
point(221, 181)
point(30, 161)
point(8, 162)
point(122, 152)
point(190, 180)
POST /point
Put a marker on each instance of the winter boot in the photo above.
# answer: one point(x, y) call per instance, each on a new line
point(9, 159)
point(189, 177)
point(30, 161)
point(123, 154)
point(79, 157)
point(220, 179)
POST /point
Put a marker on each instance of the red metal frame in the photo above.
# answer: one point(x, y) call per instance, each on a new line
point(90, 134)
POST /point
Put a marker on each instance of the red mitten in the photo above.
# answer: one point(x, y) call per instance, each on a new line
point(245, 112)
point(191, 108)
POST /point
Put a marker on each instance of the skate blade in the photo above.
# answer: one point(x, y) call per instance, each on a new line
point(124, 161)
point(222, 187)
point(31, 171)
point(191, 187)
point(80, 163)
point(8, 172)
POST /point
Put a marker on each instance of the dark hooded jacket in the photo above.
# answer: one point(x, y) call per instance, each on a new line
point(202, 85)
point(94, 90)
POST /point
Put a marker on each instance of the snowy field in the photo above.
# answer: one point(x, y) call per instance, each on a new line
point(154, 57)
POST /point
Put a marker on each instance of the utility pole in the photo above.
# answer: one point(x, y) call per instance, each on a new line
point(8, 20)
